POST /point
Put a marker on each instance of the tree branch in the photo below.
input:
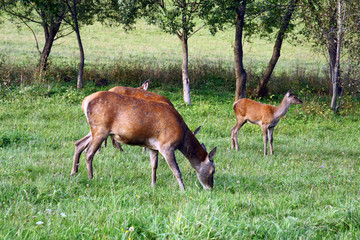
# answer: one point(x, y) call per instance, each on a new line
point(37, 43)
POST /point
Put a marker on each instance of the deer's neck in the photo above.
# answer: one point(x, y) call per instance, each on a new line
point(282, 109)
point(192, 150)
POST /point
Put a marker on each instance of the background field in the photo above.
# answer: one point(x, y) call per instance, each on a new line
point(309, 189)
point(146, 52)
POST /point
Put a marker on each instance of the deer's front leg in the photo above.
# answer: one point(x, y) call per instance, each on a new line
point(154, 165)
point(169, 156)
point(271, 130)
point(265, 137)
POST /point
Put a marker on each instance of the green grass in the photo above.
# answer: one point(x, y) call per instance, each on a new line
point(309, 189)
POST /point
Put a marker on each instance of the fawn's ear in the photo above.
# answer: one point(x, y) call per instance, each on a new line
point(196, 130)
point(289, 92)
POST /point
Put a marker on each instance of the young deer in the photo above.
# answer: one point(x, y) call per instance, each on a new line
point(155, 125)
point(266, 116)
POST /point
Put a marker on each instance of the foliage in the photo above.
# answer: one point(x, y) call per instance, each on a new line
point(122, 13)
point(178, 17)
point(262, 18)
point(319, 18)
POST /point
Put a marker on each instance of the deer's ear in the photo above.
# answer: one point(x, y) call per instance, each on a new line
point(196, 130)
point(289, 92)
point(212, 154)
point(203, 146)
point(145, 85)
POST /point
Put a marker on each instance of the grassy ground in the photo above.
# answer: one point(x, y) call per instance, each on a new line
point(309, 189)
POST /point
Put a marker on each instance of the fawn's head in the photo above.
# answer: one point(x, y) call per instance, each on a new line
point(291, 98)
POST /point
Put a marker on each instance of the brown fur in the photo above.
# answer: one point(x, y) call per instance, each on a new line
point(140, 93)
point(155, 125)
point(264, 115)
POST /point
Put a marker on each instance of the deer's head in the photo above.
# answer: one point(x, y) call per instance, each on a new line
point(206, 171)
point(291, 98)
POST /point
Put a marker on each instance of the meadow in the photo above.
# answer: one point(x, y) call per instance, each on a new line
point(309, 189)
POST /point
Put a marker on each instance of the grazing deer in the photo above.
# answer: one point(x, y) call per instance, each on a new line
point(155, 125)
point(264, 115)
point(140, 92)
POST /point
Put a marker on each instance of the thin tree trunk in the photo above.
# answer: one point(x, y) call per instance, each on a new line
point(336, 71)
point(262, 89)
point(81, 49)
point(50, 31)
point(185, 74)
point(46, 52)
point(49, 41)
point(240, 73)
point(82, 62)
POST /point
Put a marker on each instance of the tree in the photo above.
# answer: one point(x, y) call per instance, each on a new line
point(284, 24)
point(180, 17)
point(240, 73)
point(254, 17)
point(48, 14)
point(233, 13)
point(336, 70)
point(83, 11)
point(333, 25)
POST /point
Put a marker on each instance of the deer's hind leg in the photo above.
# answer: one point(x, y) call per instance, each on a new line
point(234, 133)
point(80, 146)
point(94, 145)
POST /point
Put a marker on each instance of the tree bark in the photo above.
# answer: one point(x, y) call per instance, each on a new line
point(81, 49)
point(185, 68)
point(335, 78)
point(46, 51)
point(50, 34)
point(240, 73)
point(262, 89)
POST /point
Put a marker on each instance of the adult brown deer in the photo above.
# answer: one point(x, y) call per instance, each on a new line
point(82, 143)
point(140, 92)
point(155, 125)
point(264, 115)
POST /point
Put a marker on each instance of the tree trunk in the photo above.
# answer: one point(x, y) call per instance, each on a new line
point(51, 28)
point(335, 78)
point(262, 89)
point(240, 73)
point(82, 61)
point(49, 41)
point(185, 75)
point(81, 49)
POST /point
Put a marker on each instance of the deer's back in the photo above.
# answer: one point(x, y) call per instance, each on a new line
point(133, 120)
point(140, 93)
